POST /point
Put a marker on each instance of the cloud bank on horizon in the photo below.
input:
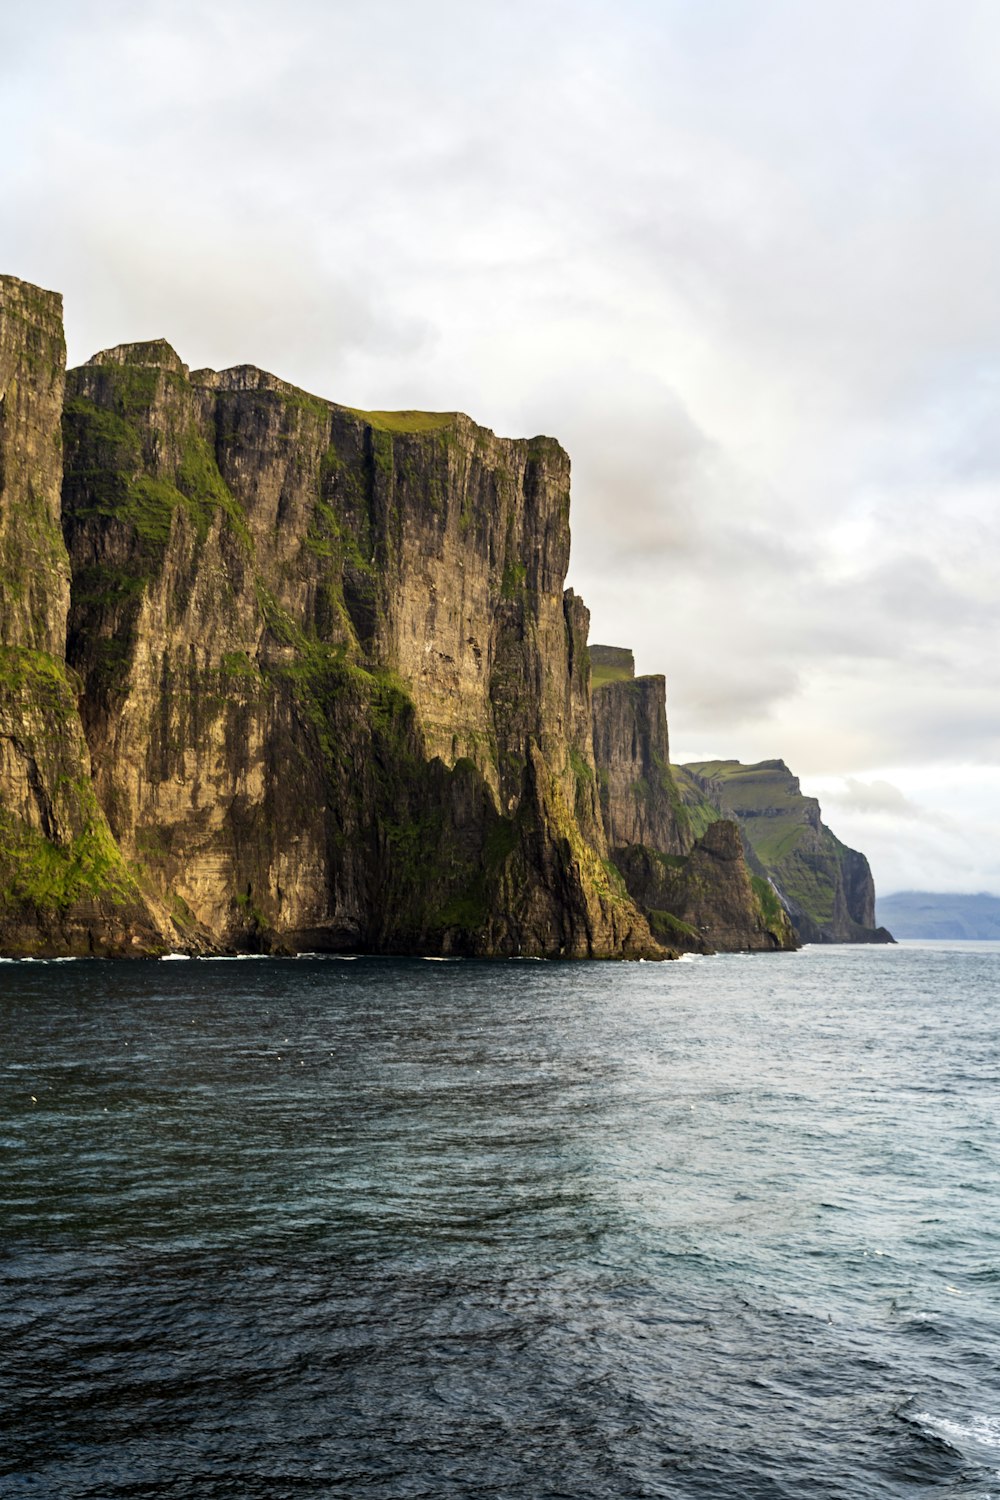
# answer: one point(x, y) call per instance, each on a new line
point(739, 258)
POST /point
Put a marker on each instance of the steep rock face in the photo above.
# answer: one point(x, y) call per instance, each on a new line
point(34, 568)
point(638, 798)
point(708, 901)
point(63, 885)
point(334, 694)
point(827, 887)
point(696, 894)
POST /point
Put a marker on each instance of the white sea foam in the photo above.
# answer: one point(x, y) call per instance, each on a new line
point(166, 957)
point(74, 958)
point(985, 1431)
point(224, 958)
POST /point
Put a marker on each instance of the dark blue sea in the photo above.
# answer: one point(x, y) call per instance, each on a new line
point(726, 1227)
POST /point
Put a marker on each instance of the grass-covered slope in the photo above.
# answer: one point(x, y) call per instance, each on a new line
point(827, 887)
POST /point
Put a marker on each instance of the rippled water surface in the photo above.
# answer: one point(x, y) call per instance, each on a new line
point(722, 1228)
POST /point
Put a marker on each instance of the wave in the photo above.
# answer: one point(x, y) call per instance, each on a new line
point(981, 1430)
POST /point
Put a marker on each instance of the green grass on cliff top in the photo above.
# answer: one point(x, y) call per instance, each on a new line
point(405, 421)
point(599, 675)
point(767, 785)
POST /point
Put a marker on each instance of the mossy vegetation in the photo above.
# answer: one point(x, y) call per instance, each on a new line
point(205, 490)
point(672, 931)
point(109, 473)
point(699, 810)
point(45, 684)
point(583, 774)
point(295, 400)
point(383, 452)
point(512, 581)
point(239, 665)
point(405, 421)
point(600, 674)
point(771, 908)
point(50, 877)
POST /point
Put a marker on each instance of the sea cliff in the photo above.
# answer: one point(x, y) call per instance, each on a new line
point(277, 674)
point(688, 875)
point(309, 672)
point(826, 887)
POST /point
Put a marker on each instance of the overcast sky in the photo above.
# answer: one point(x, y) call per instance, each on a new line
point(742, 257)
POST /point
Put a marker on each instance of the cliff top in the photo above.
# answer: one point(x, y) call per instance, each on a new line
point(611, 664)
point(767, 788)
point(161, 355)
point(22, 299)
point(774, 773)
point(154, 354)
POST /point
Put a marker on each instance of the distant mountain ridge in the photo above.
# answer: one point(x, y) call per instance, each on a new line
point(937, 914)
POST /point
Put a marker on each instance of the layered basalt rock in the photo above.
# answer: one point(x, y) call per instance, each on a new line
point(697, 893)
point(826, 887)
point(639, 801)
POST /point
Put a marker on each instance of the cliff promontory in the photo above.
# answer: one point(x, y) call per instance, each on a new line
point(696, 892)
point(826, 887)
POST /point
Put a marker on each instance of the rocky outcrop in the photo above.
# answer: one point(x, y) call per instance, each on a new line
point(707, 901)
point(333, 692)
point(639, 800)
point(826, 887)
point(696, 893)
point(64, 887)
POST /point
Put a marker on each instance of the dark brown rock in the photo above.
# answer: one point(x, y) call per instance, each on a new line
point(706, 901)
point(639, 801)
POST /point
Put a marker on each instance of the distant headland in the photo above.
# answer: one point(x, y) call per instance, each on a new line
point(930, 914)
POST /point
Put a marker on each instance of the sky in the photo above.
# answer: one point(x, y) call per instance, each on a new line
point(742, 258)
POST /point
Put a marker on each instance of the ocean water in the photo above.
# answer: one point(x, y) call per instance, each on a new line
point(287, 1228)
